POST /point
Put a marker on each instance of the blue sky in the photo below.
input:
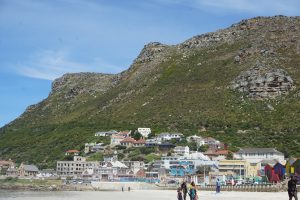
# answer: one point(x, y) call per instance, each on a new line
point(41, 40)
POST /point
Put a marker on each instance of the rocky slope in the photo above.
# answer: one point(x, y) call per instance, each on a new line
point(240, 84)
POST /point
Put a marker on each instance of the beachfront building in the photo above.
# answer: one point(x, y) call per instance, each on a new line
point(144, 131)
point(5, 165)
point(288, 166)
point(76, 167)
point(114, 170)
point(255, 155)
point(233, 168)
point(27, 170)
point(135, 166)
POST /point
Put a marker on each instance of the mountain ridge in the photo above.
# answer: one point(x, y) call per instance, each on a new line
point(182, 87)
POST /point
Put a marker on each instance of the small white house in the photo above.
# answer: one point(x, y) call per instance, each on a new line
point(144, 131)
point(106, 133)
point(169, 136)
point(180, 150)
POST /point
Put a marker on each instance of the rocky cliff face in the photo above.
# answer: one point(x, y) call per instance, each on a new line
point(261, 82)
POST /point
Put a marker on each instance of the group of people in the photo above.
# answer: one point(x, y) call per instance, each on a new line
point(184, 189)
point(191, 190)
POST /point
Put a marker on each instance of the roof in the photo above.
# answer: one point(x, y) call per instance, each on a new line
point(258, 150)
point(116, 164)
point(72, 151)
point(31, 168)
point(124, 132)
point(210, 139)
point(118, 136)
point(128, 139)
point(180, 147)
point(269, 162)
point(222, 152)
point(140, 141)
point(6, 162)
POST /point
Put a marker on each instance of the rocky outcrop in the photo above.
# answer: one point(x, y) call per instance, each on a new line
point(261, 82)
point(150, 51)
point(75, 84)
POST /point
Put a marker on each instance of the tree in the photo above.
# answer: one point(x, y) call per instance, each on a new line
point(136, 135)
point(203, 148)
point(229, 156)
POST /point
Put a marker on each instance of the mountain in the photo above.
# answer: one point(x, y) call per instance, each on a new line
point(239, 84)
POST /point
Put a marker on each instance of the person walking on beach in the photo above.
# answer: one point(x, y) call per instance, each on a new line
point(193, 192)
point(218, 186)
point(184, 189)
point(292, 188)
point(179, 194)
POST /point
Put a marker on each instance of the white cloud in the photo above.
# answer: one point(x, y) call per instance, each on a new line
point(53, 64)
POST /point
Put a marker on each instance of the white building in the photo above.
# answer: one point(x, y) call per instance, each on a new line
point(93, 147)
point(144, 131)
point(195, 138)
point(116, 139)
point(180, 150)
point(75, 167)
point(106, 133)
point(169, 136)
point(255, 155)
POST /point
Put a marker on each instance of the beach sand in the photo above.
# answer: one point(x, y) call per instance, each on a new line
point(137, 195)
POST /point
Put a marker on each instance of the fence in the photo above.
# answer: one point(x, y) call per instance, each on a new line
point(244, 188)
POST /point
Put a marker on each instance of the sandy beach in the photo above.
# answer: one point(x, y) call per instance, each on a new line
point(136, 195)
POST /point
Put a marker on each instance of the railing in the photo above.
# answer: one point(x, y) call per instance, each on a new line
point(243, 188)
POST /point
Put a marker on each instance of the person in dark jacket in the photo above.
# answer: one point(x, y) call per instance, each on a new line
point(292, 188)
point(179, 194)
point(184, 189)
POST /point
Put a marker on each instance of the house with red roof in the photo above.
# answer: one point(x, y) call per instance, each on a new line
point(131, 142)
point(72, 152)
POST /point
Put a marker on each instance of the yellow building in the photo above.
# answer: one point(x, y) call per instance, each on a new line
point(238, 168)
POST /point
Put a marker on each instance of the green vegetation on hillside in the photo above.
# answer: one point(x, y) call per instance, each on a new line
point(182, 89)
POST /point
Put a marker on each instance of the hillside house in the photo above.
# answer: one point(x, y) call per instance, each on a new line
point(152, 142)
point(106, 133)
point(169, 136)
point(124, 133)
point(144, 131)
point(255, 155)
point(93, 147)
point(72, 152)
point(130, 142)
point(180, 150)
point(116, 139)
